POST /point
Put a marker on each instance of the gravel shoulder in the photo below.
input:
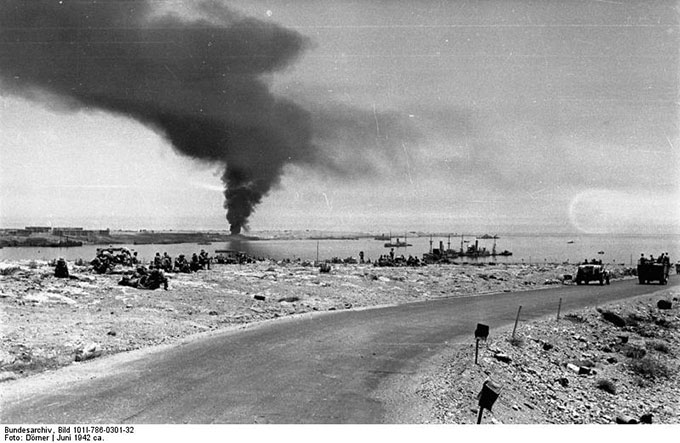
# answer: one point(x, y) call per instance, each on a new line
point(581, 369)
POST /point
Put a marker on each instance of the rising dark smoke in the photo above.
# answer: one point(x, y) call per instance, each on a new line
point(199, 81)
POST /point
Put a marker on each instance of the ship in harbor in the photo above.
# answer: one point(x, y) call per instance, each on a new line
point(397, 243)
point(472, 250)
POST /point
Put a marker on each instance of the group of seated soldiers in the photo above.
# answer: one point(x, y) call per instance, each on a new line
point(143, 278)
point(181, 264)
point(154, 277)
point(107, 258)
point(663, 259)
point(391, 260)
point(592, 262)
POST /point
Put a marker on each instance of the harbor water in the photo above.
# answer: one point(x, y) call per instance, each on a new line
point(525, 248)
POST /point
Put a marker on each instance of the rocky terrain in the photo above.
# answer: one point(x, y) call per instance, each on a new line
point(581, 369)
point(616, 363)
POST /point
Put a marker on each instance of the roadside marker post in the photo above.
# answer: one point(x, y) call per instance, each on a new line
point(559, 307)
point(487, 397)
point(516, 320)
point(481, 333)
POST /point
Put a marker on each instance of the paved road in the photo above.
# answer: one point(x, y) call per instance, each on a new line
point(315, 369)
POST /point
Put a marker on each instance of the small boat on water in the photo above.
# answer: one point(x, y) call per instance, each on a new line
point(397, 244)
point(488, 237)
point(570, 242)
point(59, 244)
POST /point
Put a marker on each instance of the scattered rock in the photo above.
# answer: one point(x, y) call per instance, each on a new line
point(505, 358)
point(260, 297)
point(88, 352)
point(213, 313)
point(612, 318)
point(664, 304)
point(626, 420)
point(646, 419)
point(7, 376)
point(289, 299)
point(583, 370)
point(573, 367)
point(111, 333)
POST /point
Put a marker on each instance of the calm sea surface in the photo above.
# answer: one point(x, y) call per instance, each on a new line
point(525, 248)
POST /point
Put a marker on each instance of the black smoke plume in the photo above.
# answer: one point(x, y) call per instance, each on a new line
point(199, 79)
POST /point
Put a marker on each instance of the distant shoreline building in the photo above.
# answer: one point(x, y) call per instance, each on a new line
point(79, 232)
point(38, 229)
point(62, 231)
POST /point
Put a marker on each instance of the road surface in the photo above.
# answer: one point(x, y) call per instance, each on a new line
point(321, 368)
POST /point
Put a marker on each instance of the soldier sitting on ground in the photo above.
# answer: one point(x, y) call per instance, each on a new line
point(166, 262)
point(61, 269)
point(100, 264)
point(153, 280)
point(157, 261)
point(195, 265)
point(143, 279)
point(133, 280)
point(182, 265)
point(204, 260)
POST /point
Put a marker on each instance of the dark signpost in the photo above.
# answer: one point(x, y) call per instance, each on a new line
point(481, 333)
point(487, 397)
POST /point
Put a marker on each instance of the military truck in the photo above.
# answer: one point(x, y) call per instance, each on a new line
point(649, 272)
point(588, 272)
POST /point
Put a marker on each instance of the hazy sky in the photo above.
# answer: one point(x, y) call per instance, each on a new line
point(418, 115)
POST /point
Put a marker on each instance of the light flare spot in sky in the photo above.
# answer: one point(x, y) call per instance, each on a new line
point(603, 211)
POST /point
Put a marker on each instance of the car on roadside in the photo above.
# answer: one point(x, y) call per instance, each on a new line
point(588, 272)
point(649, 272)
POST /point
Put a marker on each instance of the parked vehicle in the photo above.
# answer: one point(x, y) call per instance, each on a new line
point(592, 272)
point(650, 272)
